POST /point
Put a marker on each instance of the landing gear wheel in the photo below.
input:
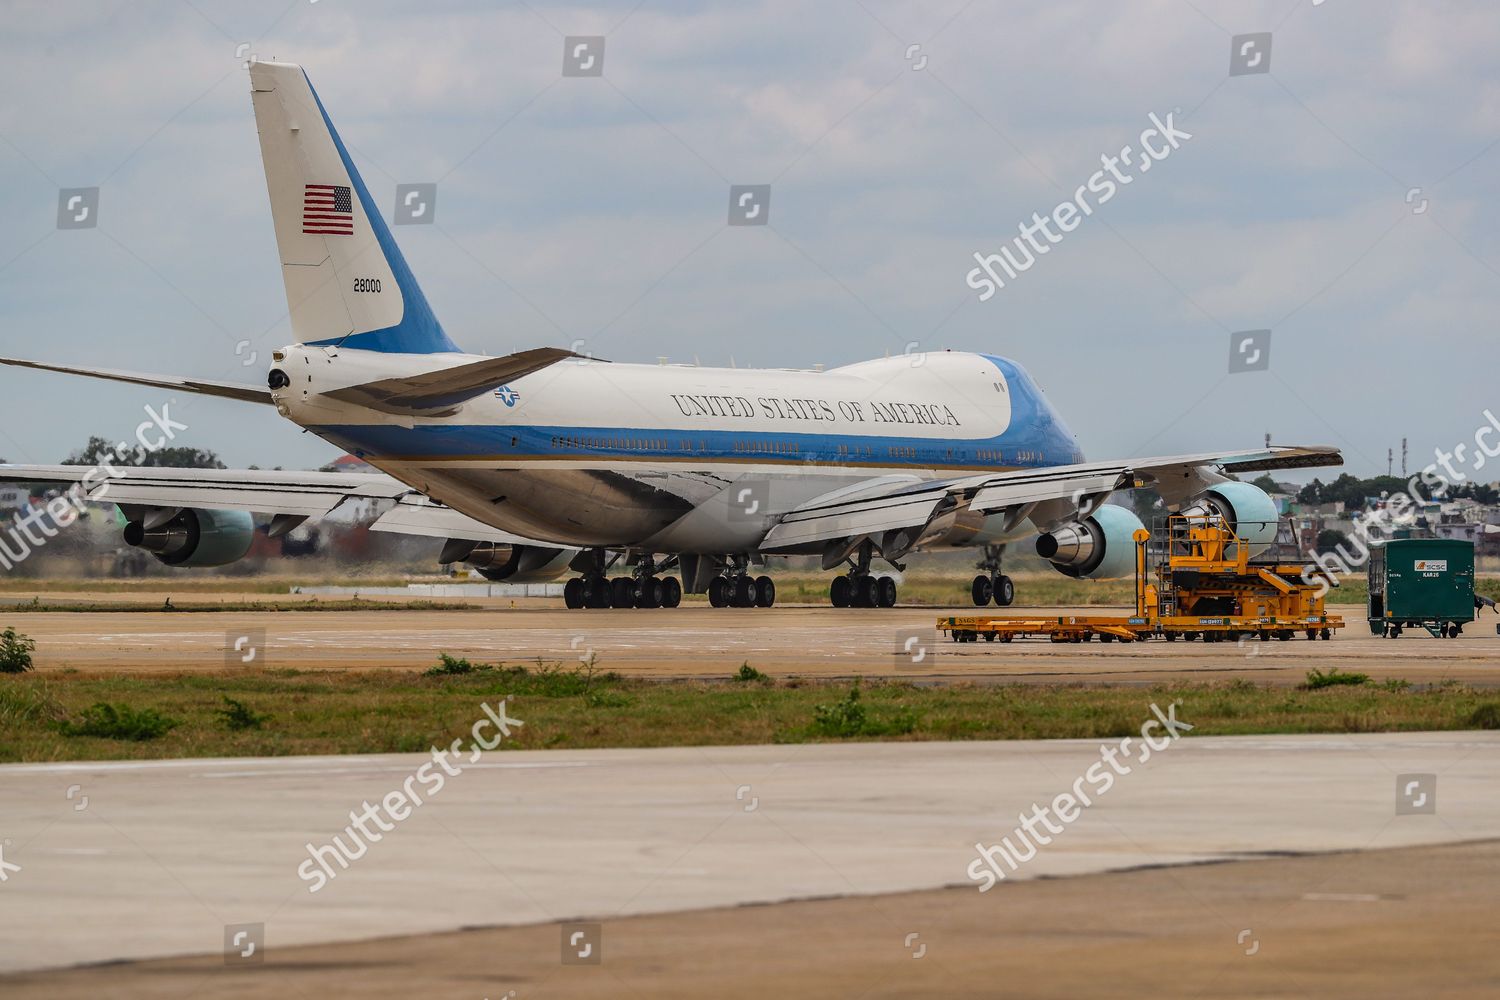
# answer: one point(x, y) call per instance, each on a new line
point(885, 592)
point(841, 592)
point(648, 593)
point(622, 592)
point(718, 592)
point(765, 592)
point(671, 592)
point(573, 593)
point(868, 592)
point(982, 591)
point(595, 592)
point(744, 592)
point(1005, 591)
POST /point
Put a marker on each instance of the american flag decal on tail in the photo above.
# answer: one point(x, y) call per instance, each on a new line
point(327, 210)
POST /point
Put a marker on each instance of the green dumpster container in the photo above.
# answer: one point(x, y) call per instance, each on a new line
point(1421, 583)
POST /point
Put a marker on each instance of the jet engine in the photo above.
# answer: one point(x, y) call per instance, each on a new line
point(1245, 509)
point(1100, 547)
point(511, 563)
point(193, 537)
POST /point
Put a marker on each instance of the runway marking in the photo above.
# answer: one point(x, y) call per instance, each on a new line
point(1340, 897)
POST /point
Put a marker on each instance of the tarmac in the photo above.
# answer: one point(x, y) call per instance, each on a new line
point(1403, 923)
point(699, 641)
point(128, 861)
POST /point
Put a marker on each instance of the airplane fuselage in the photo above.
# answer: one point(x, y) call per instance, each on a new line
point(683, 458)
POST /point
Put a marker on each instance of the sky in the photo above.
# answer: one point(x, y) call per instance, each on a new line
point(1345, 200)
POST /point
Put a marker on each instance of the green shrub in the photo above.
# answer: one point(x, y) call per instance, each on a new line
point(842, 718)
point(450, 666)
point(749, 675)
point(1333, 677)
point(850, 717)
point(120, 722)
point(237, 717)
point(1486, 716)
point(15, 651)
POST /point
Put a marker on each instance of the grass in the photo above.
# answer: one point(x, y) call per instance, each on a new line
point(35, 606)
point(58, 716)
point(929, 587)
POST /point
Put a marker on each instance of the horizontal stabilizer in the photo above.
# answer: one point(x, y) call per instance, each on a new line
point(447, 387)
point(224, 390)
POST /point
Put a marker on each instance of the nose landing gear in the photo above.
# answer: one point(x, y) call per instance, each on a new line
point(993, 585)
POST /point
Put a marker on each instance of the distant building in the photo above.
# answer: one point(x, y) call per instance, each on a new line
point(348, 463)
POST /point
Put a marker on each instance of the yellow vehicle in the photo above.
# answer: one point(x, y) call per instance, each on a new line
point(1202, 584)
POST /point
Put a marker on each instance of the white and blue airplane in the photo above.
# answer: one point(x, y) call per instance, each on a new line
point(645, 480)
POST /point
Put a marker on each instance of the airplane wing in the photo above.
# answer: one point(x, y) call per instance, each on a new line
point(287, 495)
point(912, 505)
point(202, 387)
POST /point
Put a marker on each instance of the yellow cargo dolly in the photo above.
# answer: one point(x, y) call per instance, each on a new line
point(1206, 588)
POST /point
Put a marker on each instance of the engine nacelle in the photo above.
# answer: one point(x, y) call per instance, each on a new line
point(1100, 547)
point(195, 537)
point(516, 563)
point(1245, 509)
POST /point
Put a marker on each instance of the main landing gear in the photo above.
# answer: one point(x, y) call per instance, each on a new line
point(859, 588)
point(992, 585)
point(740, 590)
point(644, 589)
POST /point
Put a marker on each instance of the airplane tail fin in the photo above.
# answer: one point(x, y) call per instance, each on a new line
point(346, 281)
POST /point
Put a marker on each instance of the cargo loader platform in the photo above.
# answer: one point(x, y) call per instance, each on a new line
point(1205, 588)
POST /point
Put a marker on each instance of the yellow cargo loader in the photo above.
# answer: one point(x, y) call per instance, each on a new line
point(1201, 584)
